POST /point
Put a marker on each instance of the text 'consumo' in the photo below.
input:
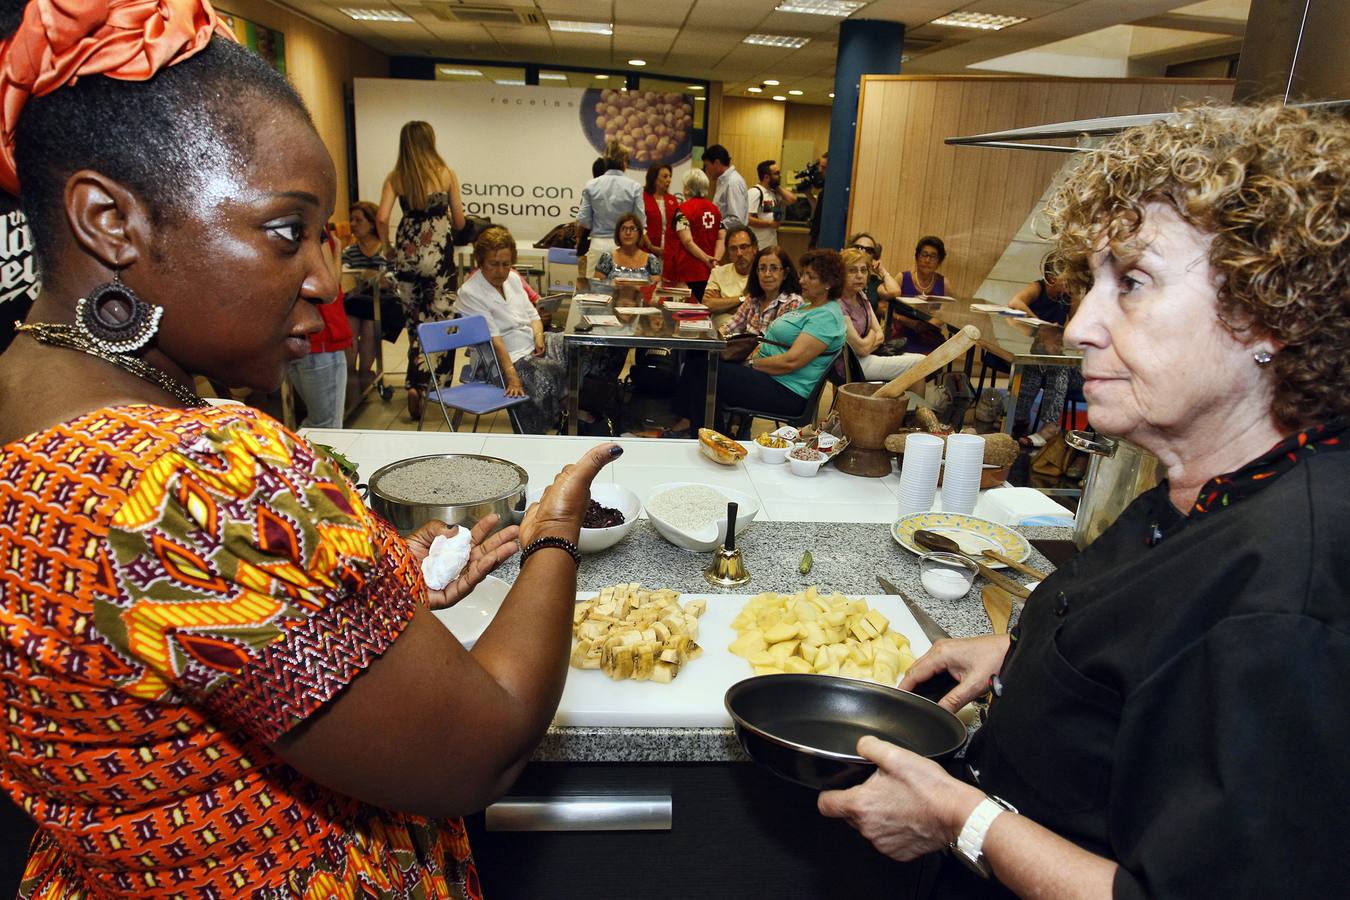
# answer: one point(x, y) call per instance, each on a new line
point(548, 201)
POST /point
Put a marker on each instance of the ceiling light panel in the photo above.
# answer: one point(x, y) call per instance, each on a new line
point(375, 15)
point(840, 8)
point(776, 40)
point(982, 21)
point(461, 73)
point(552, 76)
point(574, 27)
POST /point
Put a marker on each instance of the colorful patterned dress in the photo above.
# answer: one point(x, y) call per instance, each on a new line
point(180, 588)
point(424, 260)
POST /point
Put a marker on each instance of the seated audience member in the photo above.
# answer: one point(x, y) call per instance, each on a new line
point(366, 259)
point(497, 292)
point(698, 230)
point(726, 283)
point(628, 260)
point(532, 361)
point(791, 360)
point(1047, 298)
point(862, 328)
point(771, 289)
point(924, 280)
point(882, 287)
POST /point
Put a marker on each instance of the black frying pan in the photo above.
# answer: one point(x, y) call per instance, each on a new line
point(805, 728)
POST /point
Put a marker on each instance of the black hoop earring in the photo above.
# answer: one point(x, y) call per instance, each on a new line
point(115, 319)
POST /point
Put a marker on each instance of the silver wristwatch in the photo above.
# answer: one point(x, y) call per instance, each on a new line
point(969, 844)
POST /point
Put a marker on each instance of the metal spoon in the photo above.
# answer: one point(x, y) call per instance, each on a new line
point(931, 540)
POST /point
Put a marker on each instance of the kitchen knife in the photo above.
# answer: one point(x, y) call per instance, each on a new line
point(941, 684)
point(931, 629)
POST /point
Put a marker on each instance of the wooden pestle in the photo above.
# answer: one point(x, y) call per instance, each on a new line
point(956, 346)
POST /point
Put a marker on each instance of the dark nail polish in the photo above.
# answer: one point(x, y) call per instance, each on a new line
point(616, 450)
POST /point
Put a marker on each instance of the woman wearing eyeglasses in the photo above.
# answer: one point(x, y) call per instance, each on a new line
point(628, 260)
point(798, 346)
point(881, 284)
point(924, 280)
point(771, 290)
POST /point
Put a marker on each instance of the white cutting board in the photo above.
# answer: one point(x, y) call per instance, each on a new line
point(694, 698)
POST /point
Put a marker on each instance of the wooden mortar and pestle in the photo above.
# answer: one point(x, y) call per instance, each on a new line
point(868, 412)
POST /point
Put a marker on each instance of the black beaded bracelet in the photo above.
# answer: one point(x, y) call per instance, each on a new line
point(560, 543)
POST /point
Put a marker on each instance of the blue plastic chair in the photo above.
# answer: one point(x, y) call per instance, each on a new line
point(477, 397)
point(562, 256)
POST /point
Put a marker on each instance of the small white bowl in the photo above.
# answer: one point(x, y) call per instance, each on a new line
point(806, 468)
point(772, 455)
point(747, 507)
point(470, 617)
point(615, 496)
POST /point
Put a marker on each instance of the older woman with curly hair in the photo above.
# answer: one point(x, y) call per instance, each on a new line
point(1160, 720)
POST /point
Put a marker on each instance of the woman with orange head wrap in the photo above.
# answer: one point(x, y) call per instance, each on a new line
point(215, 656)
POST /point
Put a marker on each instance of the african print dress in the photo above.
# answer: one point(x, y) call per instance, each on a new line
point(180, 588)
point(424, 261)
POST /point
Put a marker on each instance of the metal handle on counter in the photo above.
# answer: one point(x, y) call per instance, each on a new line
point(581, 813)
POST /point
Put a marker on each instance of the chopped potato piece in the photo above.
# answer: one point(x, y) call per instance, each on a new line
point(831, 635)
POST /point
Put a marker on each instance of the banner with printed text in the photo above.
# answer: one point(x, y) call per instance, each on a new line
point(522, 152)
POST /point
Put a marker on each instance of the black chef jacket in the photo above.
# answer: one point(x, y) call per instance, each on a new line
point(1176, 698)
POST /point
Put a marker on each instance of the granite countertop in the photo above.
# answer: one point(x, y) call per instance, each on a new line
point(847, 558)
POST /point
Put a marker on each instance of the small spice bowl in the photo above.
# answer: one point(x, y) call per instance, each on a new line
point(772, 455)
point(807, 467)
point(946, 576)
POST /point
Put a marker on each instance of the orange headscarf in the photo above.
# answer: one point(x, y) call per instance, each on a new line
point(60, 40)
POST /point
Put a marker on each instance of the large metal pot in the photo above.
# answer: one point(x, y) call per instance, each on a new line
point(407, 517)
point(1118, 471)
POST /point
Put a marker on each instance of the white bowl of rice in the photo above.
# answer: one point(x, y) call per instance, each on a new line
point(693, 516)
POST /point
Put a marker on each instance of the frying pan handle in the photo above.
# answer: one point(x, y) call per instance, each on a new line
point(937, 687)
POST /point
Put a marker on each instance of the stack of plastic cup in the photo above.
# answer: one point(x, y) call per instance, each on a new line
point(961, 480)
point(919, 473)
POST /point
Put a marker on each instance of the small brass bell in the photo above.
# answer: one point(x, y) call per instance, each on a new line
point(727, 568)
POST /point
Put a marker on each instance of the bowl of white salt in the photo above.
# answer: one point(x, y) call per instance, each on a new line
point(946, 576)
point(456, 488)
point(693, 516)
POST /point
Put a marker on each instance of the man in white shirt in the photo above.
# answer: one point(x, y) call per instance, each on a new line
point(729, 195)
point(766, 201)
point(726, 284)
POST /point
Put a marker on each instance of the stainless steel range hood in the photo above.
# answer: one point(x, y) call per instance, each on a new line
point(1024, 138)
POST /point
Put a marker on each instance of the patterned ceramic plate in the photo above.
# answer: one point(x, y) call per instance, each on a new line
point(974, 535)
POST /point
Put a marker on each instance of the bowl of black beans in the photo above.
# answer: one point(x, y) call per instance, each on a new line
point(612, 512)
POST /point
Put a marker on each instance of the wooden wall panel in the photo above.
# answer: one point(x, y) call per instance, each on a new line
point(807, 122)
point(908, 183)
point(751, 130)
point(319, 62)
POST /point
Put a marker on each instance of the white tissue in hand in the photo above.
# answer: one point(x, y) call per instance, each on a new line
point(446, 559)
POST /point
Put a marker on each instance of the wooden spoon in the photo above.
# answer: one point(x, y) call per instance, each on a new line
point(998, 604)
point(955, 346)
point(1019, 566)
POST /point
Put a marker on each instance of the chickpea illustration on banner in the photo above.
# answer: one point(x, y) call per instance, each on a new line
point(656, 127)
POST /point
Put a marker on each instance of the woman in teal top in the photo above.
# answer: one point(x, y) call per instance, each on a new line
point(797, 349)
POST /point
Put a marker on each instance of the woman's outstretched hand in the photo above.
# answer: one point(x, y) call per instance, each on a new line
point(558, 513)
point(488, 551)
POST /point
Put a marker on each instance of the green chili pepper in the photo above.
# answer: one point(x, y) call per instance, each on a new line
point(805, 566)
